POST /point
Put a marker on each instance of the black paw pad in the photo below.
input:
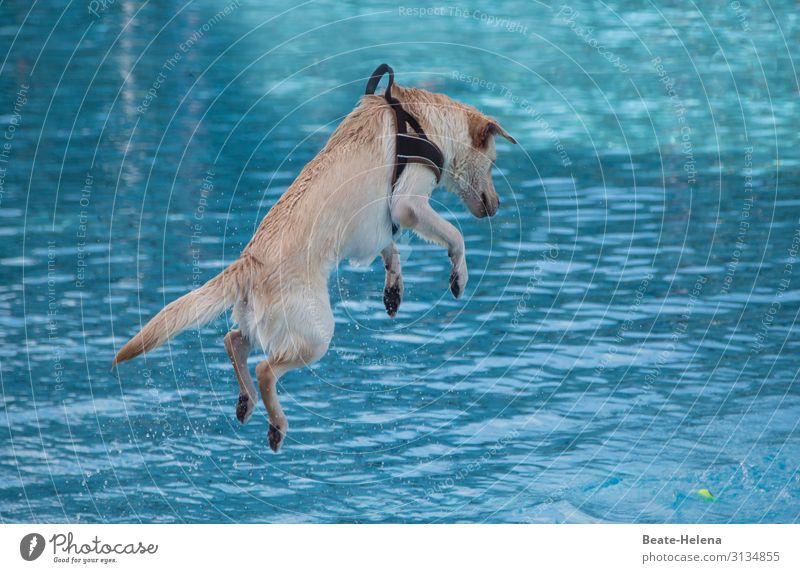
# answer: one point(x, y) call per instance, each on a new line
point(275, 438)
point(391, 299)
point(242, 407)
point(455, 288)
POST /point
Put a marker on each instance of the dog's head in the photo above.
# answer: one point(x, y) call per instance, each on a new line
point(469, 169)
point(466, 137)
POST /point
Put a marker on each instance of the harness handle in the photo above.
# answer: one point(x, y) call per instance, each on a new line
point(375, 79)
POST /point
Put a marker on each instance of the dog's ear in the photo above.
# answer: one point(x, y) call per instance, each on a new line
point(481, 128)
point(497, 129)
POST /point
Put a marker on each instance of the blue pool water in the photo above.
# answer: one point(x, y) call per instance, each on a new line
point(628, 337)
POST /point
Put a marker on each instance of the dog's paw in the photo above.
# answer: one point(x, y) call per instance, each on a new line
point(275, 435)
point(458, 279)
point(392, 297)
point(244, 408)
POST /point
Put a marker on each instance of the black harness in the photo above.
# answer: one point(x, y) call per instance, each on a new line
point(409, 147)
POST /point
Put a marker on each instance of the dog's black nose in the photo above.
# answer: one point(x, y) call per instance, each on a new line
point(489, 208)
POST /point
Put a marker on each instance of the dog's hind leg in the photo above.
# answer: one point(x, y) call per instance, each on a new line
point(238, 348)
point(393, 288)
point(268, 372)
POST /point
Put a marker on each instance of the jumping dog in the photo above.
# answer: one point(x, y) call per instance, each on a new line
point(375, 175)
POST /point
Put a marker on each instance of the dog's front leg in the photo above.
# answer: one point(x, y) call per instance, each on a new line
point(393, 288)
point(414, 212)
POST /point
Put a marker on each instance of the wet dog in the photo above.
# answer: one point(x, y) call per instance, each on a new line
point(347, 203)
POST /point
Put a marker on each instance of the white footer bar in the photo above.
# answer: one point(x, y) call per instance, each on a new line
point(401, 548)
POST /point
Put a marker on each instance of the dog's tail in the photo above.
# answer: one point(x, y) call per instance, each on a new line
point(194, 309)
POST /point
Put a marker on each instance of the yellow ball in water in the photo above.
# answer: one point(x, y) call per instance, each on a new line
point(705, 494)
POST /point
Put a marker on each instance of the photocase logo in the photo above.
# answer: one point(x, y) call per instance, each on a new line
point(31, 546)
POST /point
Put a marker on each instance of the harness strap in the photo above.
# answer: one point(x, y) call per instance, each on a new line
point(409, 147)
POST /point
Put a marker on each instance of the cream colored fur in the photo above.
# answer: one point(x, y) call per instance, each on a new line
point(339, 207)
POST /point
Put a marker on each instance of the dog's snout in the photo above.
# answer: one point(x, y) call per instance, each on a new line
point(489, 205)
